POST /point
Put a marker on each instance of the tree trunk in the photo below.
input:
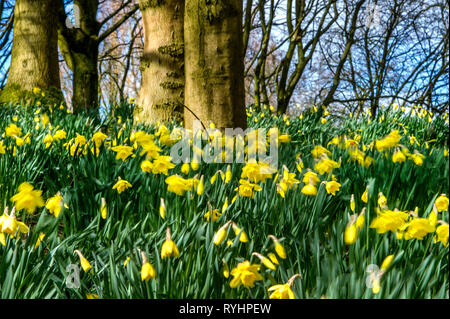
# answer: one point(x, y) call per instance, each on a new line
point(161, 95)
point(79, 48)
point(214, 63)
point(283, 102)
point(85, 78)
point(34, 55)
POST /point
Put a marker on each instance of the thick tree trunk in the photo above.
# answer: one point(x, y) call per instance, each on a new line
point(214, 63)
point(34, 55)
point(85, 78)
point(283, 103)
point(79, 48)
point(161, 95)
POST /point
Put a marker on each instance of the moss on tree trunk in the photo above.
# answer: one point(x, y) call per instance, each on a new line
point(34, 55)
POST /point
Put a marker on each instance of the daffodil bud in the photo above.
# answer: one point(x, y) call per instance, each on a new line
point(103, 209)
point(387, 262)
point(84, 262)
point(200, 187)
point(162, 209)
point(351, 231)
point(213, 179)
point(351, 234)
point(185, 168)
point(225, 205)
point(195, 165)
point(365, 195)
point(360, 220)
point(243, 237)
point(221, 234)
point(219, 237)
point(266, 261)
point(273, 258)
point(279, 249)
point(299, 165)
point(226, 269)
point(228, 175)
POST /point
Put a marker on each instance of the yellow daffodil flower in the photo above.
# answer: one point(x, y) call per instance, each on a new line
point(28, 198)
point(122, 185)
point(55, 204)
point(169, 248)
point(245, 274)
point(147, 270)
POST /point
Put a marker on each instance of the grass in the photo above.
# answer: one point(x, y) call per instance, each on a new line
point(311, 228)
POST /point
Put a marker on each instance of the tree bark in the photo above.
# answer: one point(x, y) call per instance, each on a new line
point(161, 96)
point(85, 78)
point(34, 55)
point(214, 63)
